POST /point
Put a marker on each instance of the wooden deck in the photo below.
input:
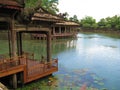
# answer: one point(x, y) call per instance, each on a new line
point(31, 68)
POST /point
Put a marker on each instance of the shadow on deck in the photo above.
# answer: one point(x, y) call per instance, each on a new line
point(32, 69)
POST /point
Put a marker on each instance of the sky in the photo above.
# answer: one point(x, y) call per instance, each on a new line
point(96, 8)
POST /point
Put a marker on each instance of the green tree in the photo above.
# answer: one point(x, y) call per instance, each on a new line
point(95, 26)
point(74, 19)
point(102, 23)
point(110, 23)
point(115, 22)
point(32, 3)
point(88, 23)
point(64, 15)
point(50, 5)
point(117, 27)
point(118, 23)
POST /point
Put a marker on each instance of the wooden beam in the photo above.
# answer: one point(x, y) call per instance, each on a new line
point(11, 71)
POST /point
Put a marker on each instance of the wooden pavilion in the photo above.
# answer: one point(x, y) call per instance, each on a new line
point(59, 28)
point(64, 29)
point(20, 63)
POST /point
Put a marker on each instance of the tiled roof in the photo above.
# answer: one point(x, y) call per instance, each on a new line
point(45, 16)
point(10, 4)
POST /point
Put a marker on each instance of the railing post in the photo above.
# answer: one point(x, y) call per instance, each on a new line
point(25, 68)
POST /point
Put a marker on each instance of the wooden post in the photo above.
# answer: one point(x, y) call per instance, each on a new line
point(19, 43)
point(70, 30)
point(13, 48)
point(48, 46)
point(65, 29)
point(9, 42)
point(53, 30)
point(19, 50)
point(59, 29)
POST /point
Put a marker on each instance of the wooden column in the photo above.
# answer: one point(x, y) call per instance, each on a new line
point(48, 46)
point(9, 42)
point(19, 43)
point(70, 30)
point(19, 50)
point(59, 29)
point(65, 29)
point(53, 30)
point(13, 48)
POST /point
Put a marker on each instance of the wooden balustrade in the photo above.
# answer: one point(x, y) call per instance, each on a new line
point(31, 68)
point(7, 63)
point(39, 68)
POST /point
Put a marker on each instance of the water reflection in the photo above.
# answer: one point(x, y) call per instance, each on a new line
point(62, 45)
point(38, 47)
point(91, 62)
point(4, 48)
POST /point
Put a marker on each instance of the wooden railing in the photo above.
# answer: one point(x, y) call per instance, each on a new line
point(28, 60)
point(7, 63)
point(40, 68)
point(31, 68)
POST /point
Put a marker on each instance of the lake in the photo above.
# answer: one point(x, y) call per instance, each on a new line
point(93, 60)
point(90, 62)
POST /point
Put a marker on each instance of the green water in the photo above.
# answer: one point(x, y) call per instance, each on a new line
point(90, 62)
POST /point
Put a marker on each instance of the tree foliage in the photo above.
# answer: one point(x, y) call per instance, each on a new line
point(111, 23)
point(49, 5)
point(64, 15)
point(32, 5)
point(108, 23)
point(74, 19)
point(88, 23)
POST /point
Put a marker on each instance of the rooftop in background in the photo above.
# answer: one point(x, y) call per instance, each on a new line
point(67, 23)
